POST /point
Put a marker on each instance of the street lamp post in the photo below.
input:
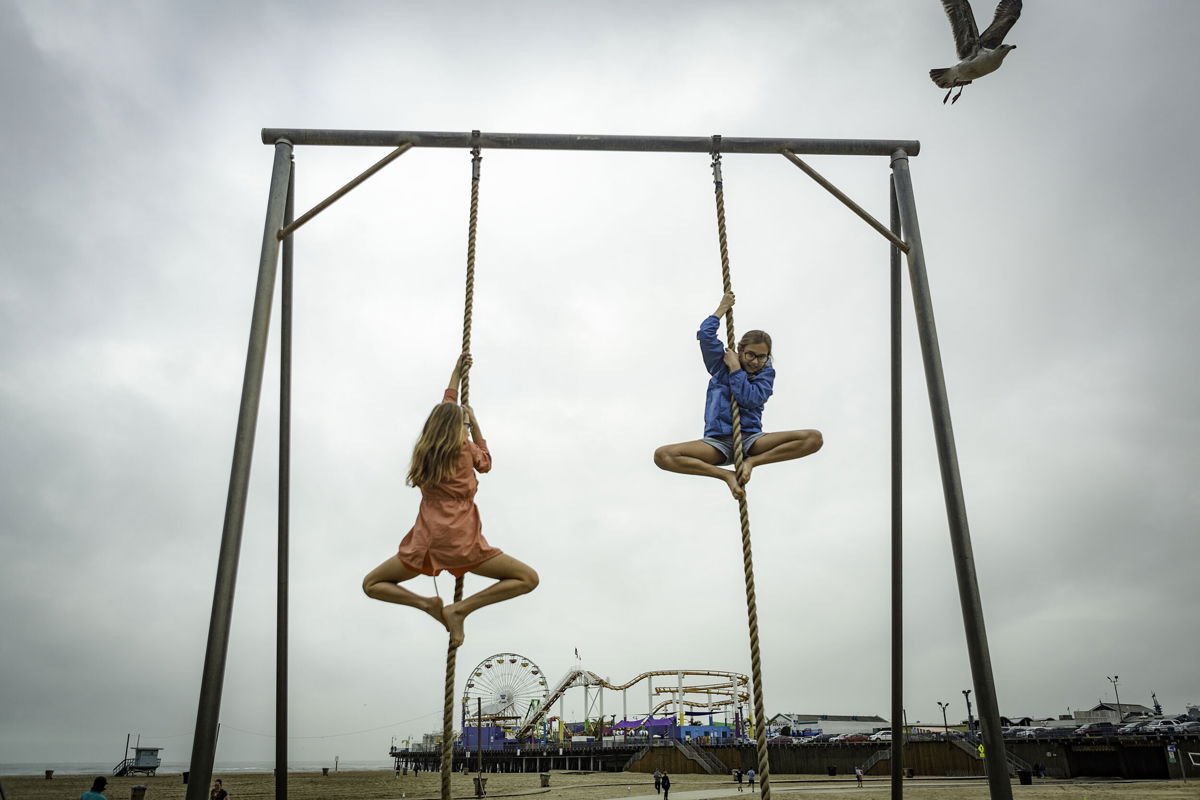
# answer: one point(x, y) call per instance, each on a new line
point(945, 724)
point(1113, 681)
point(970, 718)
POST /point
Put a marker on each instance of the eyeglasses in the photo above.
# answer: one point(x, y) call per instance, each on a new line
point(750, 355)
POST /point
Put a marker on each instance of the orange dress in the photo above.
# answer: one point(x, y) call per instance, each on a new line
point(448, 534)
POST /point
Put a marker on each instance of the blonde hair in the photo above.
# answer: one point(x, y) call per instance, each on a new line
point(438, 446)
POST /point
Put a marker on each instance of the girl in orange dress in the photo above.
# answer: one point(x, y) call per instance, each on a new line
point(448, 534)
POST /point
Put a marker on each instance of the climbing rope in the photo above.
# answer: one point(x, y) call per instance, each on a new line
point(464, 398)
point(760, 730)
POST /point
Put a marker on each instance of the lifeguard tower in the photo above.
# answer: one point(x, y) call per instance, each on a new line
point(145, 761)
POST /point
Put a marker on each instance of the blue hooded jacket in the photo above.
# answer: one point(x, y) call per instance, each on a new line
point(751, 391)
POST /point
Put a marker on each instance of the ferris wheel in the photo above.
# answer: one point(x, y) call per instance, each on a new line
point(504, 689)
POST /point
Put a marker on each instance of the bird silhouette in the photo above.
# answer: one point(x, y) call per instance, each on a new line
point(977, 55)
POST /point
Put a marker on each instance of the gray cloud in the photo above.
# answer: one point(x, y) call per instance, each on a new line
point(1056, 199)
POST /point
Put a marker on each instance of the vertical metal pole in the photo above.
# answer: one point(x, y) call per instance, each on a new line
point(956, 511)
point(897, 512)
point(679, 699)
point(285, 489)
point(204, 741)
point(970, 719)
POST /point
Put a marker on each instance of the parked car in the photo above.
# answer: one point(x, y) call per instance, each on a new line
point(881, 736)
point(1031, 733)
point(820, 737)
point(1188, 727)
point(1160, 726)
point(1132, 727)
point(1096, 729)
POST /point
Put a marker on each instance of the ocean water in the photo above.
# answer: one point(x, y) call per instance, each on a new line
point(175, 767)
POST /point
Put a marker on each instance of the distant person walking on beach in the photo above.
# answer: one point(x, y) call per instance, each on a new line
point(448, 534)
point(666, 785)
point(658, 781)
point(95, 792)
point(750, 778)
point(218, 791)
point(858, 774)
point(737, 776)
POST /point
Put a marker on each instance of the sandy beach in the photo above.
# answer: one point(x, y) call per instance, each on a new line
point(585, 786)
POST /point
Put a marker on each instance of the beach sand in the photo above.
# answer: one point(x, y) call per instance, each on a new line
point(584, 786)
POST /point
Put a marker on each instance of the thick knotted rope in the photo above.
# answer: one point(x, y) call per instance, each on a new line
point(464, 398)
point(760, 719)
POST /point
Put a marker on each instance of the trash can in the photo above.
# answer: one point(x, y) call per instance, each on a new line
point(545, 776)
point(1025, 777)
point(909, 772)
point(480, 786)
point(49, 774)
point(832, 770)
point(137, 793)
point(325, 771)
point(185, 777)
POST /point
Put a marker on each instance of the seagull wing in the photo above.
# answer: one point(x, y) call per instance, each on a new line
point(962, 22)
point(1007, 14)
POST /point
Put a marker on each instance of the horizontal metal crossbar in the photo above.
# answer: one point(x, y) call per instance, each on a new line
point(568, 141)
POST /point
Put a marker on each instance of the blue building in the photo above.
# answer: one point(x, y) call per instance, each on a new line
point(489, 737)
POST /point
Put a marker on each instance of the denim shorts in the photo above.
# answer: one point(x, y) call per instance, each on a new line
point(725, 445)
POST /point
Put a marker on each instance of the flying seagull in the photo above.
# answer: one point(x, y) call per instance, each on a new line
point(977, 55)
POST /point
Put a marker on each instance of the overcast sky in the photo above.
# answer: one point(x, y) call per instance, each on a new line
point(1058, 203)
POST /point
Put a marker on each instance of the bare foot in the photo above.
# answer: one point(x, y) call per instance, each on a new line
point(744, 472)
point(730, 479)
point(452, 618)
point(433, 607)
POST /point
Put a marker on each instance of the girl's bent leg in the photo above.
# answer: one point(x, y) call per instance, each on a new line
point(513, 578)
point(782, 446)
point(696, 458)
point(383, 583)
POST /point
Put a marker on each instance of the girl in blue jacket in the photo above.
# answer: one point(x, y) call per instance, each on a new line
point(749, 376)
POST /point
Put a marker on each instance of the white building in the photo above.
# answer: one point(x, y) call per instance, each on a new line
point(797, 724)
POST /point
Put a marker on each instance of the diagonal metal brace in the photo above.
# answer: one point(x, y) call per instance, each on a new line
point(340, 193)
point(850, 204)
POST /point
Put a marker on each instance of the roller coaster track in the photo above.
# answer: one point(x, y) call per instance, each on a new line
point(734, 687)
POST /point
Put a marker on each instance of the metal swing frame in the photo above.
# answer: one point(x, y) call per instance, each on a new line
point(903, 233)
